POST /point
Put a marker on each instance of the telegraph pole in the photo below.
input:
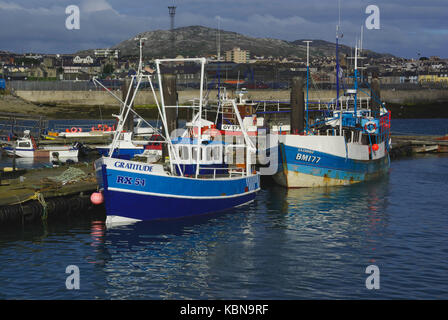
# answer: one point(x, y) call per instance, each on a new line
point(172, 13)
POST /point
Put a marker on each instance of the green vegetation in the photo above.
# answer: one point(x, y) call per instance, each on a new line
point(145, 106)
point(27, 61)
point(108, 69)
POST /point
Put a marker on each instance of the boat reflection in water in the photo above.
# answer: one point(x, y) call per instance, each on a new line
point(30, 163)
point(315, 235)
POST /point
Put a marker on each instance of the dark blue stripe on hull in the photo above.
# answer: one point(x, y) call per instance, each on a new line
point(331, 166)
point(149, 207)
point(124, 154)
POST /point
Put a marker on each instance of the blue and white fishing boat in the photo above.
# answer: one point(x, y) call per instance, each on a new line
point(126, 148)
point(349, 144)
point(199, 177)
point(125, 145)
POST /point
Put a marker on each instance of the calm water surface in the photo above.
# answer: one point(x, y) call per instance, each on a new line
point(289, 244)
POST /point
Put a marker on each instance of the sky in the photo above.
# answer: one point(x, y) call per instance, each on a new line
point(407, 28)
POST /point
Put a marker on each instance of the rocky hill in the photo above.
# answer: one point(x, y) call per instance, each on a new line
point(201, 41)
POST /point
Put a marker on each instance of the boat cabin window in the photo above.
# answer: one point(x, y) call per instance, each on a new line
point(24, 145)
point(194, 154)
point(216, 152)
point(184, 153)
point(208, 153)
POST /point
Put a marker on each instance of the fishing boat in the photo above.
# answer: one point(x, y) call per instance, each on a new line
point(26, 147)
point(127, 148)
point(199, 176)
point(100, 130)
point(348, 143)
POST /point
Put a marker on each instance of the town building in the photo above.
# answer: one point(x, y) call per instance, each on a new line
point(237, 55)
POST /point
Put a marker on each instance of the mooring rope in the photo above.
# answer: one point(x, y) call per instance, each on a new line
point(41, 199)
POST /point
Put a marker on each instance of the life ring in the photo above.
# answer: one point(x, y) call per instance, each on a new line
point(370, 127)
point(73, 129)
point(79, 129)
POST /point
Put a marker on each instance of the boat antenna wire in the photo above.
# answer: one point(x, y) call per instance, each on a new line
point(307, 79)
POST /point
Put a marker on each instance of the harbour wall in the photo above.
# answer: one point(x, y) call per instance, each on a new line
point(103, 98)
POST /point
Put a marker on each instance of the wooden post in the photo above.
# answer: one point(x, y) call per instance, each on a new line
point(170, 99)
point(129, 125)
point(297, 114)
point(375, 94)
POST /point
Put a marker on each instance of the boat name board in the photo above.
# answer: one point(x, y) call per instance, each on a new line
point(305, 150)
point(307, 157)
point(133, 166)
point(130, 181)
point(231, 127)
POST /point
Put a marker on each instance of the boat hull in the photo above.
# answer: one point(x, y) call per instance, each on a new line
point(123, 153)
point(42, 153)
point(150, 207)
point(305, 166)
point(139, 191)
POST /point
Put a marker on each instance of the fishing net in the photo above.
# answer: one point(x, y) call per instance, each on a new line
point(69, 176)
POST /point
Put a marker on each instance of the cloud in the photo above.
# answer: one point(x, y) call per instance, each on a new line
point(407, 26)
point(89, 6)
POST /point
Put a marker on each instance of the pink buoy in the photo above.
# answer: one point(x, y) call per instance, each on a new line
point(97, 198)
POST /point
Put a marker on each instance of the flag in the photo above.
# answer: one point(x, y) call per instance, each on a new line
point(148, 69)
point(341, 73)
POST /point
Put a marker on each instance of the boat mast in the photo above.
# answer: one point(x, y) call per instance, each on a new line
point(356, 81)
point(140, 46)
point(338, 73)
point(219, 70)
point(199, 140)
point(219, 62)
point(307, 79)
point(337, 55)
point(127, 104)
point(337, 66)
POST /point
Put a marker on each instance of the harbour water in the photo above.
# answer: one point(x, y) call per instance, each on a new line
point(288, 244)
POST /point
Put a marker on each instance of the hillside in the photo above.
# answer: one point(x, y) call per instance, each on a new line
point(201, 41)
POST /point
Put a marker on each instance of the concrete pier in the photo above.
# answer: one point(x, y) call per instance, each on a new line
point(145, 97)
point(43, 194)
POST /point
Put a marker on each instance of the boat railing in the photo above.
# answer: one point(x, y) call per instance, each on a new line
point(236, 171)
point(345, 103)
point(232, 171)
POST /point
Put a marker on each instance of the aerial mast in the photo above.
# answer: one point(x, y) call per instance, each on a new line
point(307, 77)
point(337, 55)
point(172, 13)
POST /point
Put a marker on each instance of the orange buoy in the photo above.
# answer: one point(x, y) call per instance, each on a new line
point(97, 198)
point(375, 147)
